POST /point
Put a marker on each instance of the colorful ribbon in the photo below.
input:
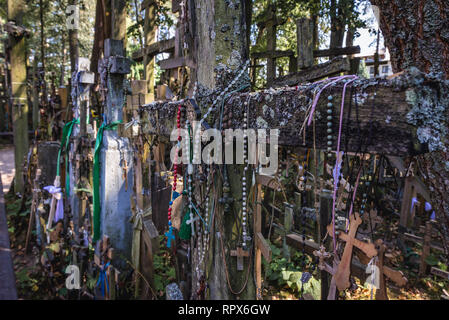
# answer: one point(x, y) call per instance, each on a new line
point(103, 278)
point(96, 177)
point(66, 133)
point(56, 192)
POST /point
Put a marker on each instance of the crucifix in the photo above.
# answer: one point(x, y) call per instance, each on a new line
point(240, 253)
point(322, 255)
point(343, 272)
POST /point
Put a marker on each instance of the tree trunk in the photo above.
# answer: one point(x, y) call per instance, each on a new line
point(44, 83)
point(337, 25)
point(417, 35)
point(212, 50)
point(18, 99)
point(73, 44)
point(64, 52)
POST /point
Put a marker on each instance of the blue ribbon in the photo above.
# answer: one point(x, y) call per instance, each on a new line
point(102, 278)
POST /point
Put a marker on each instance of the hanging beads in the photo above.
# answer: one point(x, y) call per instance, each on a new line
point(330, 142)
point(245, 171)
point(363, 206)
point(222, 94)
point(169, 234)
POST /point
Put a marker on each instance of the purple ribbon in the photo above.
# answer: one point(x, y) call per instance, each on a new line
point(414, 201)
point(428, 207)
point(56, 193)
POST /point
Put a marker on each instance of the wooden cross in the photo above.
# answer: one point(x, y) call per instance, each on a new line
point(343, 272)
point(239, 253)
point(394, 275)
point(371, 220)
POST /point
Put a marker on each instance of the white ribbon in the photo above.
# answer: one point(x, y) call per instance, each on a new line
point(133, 122)
point(56, 193)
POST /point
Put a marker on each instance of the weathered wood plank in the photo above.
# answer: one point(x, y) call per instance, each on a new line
point(263, 246)
point(154, 49)
point(441, 273)
point(319, 71)
point(377, 118)
point(272, 54)
point(304, 34)
point(176, 63)
point(336, 51)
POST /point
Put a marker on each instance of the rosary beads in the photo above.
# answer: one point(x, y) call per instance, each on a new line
point(244, 194)
point(169, 234)
point(329, 125)
point(221, 95)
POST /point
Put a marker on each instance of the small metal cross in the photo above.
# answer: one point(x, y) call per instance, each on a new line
point(191, 222)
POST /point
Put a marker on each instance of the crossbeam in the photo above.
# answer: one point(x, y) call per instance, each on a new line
point(154, 49)
point(377, 119)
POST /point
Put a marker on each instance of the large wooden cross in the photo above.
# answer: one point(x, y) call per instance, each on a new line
point(343, 272)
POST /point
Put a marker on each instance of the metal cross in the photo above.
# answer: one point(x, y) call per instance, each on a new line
point(191, 222)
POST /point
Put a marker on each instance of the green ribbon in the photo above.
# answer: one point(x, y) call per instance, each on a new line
point(66, 133)
point(96, 177)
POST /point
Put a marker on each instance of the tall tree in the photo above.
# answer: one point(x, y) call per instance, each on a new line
point(73, 43)
point(19, 105)
point(417, 35)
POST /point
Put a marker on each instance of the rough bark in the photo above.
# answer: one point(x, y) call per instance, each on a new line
point(73, 44)
point(18, 99)
point(417, 35)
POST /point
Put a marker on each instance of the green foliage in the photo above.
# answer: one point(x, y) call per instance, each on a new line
point(282, 272)
point(56, 35)
point(164, 272)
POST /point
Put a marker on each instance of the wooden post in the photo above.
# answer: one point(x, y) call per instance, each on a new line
point(304, 31)
point(425, 248)
point(150, 30)
point(118, 21)
point(116, 163)
point(262, 246)
point(271, 45)
point(325, 214)
point(18, 101)
point(288, 224)
point(36, 113)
